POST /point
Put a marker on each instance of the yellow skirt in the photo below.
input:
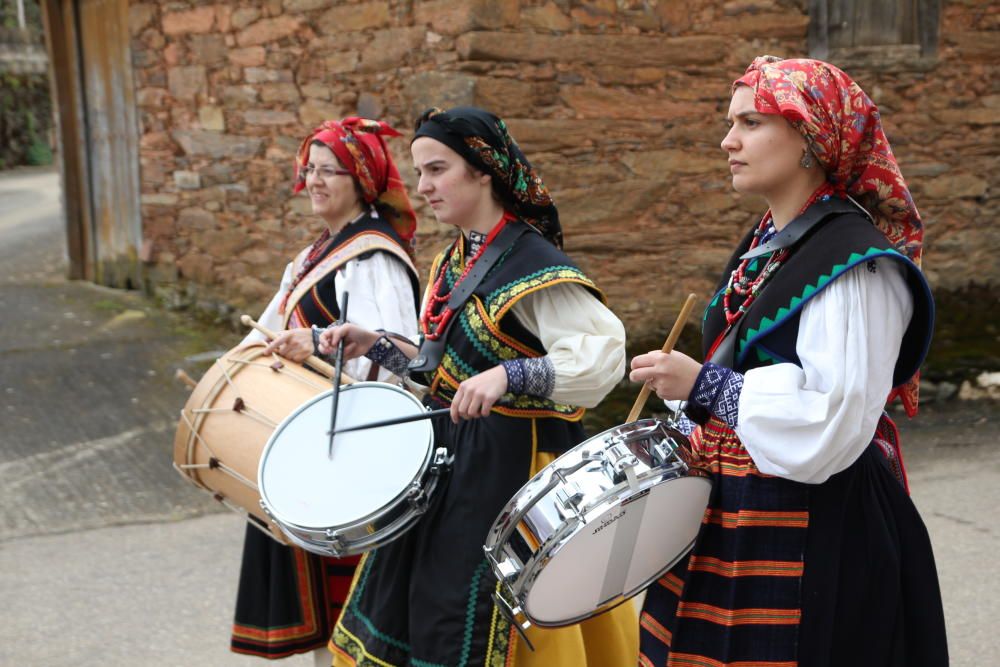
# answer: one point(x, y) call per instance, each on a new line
point(608, 640)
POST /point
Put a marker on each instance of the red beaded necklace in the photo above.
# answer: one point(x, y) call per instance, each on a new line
point(436, 314)
point(749, 289)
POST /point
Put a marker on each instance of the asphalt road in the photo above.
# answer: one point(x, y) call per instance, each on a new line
point(108, 557)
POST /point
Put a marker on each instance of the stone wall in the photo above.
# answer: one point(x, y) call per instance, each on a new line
point(620, 104)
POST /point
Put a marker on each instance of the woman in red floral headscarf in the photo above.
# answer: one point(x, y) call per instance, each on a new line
point(289, 600)
point(810, 552)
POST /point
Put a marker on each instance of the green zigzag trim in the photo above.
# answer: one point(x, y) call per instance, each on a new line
point(549, 269)
point(495, 360)
point(767, 323)
point(450, 351)
point(364, 619)
point(470, 613)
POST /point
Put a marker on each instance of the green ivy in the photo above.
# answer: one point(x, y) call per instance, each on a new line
point(25, 120)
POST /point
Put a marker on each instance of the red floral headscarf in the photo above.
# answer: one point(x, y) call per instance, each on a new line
point(844, 131)
point(358, 144)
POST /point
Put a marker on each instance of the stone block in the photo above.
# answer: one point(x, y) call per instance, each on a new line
point(349, 18)
point(158, 199)
point(505, 97)
point(625, 51)
point(296, 6)
point(673, 162)
point(340, 62)
point(185, 83)
point(314, 112)
point(207, 49)
point(442, 89)
point(197, 266)
point(211, 118)
point(388, 48)
point(239, 96)
point(777, 25)
point(957, 186)
point(244, 16)
point(453, 17)
point(590, 102)
point(279, 92)
point(187, 180)
point(252, 56)
point(548, 17)
point(152, 97)
point(268, 30)
point(317, 91)
point(203, 143)
point(369, 105)
point(974, 116)
point(195, 219)
point(266, 75)
point(140, 15)
point(199, 19)
point(269, 117)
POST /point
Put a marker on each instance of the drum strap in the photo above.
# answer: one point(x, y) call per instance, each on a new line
point(432, 351)
point(723, 352)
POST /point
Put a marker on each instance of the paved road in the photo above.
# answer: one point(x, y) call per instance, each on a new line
point(108, 558)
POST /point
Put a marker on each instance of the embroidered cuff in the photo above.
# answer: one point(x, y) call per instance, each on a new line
point(532, 377)
point(684, 425)
point(388, 356)
point(716, 392)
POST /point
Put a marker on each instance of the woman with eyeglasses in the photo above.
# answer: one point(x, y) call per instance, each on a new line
point(289, 600)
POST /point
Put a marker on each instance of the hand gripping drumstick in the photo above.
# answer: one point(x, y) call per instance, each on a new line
point(668, 345)
point(315, 362)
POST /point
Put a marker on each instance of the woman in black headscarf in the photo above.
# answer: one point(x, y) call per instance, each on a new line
point(520, 361)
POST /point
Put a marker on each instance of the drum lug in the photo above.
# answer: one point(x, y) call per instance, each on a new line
point(506, 570)
point(569, 497)
point(416, 497)
point(441, 461)
point(336, 541)
point(621, 463)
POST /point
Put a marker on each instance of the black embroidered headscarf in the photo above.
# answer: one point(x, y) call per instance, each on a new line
point(483, 141)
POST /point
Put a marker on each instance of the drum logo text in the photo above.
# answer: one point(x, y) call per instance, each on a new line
point(607, 522)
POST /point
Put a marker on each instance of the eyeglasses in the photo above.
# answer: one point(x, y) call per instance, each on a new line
point(325, 171)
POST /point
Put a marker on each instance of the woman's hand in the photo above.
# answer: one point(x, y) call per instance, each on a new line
point(295, 345)
point(477, 395)
point(357, 340)
point(670, 374)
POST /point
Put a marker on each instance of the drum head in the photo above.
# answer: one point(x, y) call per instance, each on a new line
point(619, 551)
point(302, 485)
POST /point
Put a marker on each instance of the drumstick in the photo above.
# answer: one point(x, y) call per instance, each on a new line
point(668, 345)
point(179, 374)
point(315, 362)
point(335, 397)
point(396, 420)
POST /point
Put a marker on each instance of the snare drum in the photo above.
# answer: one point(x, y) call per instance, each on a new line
point(597, 525)
point(228, 419)
point(373, 487)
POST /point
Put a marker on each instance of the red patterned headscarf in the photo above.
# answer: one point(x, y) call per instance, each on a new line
point(358, 144)
point(844, 131)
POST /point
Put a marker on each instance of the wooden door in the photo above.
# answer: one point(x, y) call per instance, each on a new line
point(93, 86)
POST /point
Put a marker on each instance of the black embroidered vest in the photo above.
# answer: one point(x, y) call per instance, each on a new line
point(482, 337)
point(767, 333)
point(314, 299)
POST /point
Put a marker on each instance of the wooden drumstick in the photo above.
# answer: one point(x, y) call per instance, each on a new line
point(668, 345)
point(312, 361)
point(179, 374)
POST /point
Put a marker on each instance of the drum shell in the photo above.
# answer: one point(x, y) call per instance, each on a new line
point(541, 518)
point(219, 450)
